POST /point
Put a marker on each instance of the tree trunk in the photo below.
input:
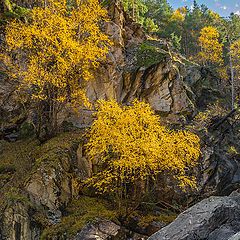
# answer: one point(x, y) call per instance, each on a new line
point(232, 76)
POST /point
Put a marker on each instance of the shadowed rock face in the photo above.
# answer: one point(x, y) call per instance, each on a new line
point(221, 168)
point(215, 218)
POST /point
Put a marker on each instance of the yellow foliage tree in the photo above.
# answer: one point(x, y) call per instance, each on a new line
point(215, 17)
point(128, 144)
point(211, 48)
point(55, 52)
point(179, 14)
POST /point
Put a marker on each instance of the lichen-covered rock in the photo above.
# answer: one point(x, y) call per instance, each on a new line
point(84, 165)
point(215, 218)
point(51, 182)
point(49, 186)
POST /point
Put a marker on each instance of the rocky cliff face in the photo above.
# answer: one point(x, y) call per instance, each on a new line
point(126, 76)
point(39, 184)
point(137, 66)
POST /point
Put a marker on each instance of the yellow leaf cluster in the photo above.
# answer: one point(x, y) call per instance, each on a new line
point(129, 144)
point(235, 53)
point(58, 48)
point(214, 16)
point(211, 48)
point(179, 14)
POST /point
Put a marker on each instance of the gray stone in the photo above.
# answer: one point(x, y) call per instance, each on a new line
point(214, 218)
point(235, 236)
point(100, 230)
point(54, 217)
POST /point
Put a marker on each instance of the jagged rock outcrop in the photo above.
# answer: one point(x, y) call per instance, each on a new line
point(124, 77)
point(160, 85)
point(51, 183)
point(166, 83)
point(219, 172)
point(215, 218)
point(46, 189)
point(50, 186)
point(205, 87)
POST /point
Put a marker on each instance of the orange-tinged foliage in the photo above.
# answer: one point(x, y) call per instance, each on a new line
point(129, 144)
point(211, 48)
point(60, 45)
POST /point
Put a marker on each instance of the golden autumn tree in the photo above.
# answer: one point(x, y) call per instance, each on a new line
point(179, 14)
point(54, 53)
point(211, 49)
point(129, 145)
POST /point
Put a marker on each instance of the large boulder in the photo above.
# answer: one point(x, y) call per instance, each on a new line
point(214, 218)
point(235, 236)
point(101, 230)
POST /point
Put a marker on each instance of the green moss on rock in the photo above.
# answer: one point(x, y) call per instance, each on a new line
point(16, 157)
point(164, 218)
point(79, 213)
point(57, 149)
point(149, 54)
point(20, 159)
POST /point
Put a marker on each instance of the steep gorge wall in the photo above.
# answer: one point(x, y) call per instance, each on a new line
point(174, 87)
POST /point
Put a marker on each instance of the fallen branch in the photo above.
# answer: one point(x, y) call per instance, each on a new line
point(215, 126)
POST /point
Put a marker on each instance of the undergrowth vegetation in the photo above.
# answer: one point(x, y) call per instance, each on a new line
point(80, 212)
